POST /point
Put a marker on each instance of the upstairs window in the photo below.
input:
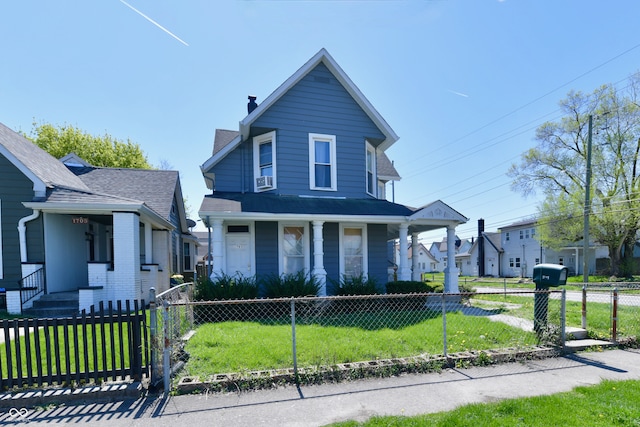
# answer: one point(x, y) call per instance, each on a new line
point(264, 161)
point(322, 162)
point(371, 170)
point(506, 236)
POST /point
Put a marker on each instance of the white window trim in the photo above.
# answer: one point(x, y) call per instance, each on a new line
point(313, 137)
point(365, 247)
point(252, 242)
point(257, 140)
point(306, 242)
point(1, 258)
point(374, 171)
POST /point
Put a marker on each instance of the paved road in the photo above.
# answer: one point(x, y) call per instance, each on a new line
point(358, 400)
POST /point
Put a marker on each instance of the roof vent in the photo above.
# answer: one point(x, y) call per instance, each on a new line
point(252, 104)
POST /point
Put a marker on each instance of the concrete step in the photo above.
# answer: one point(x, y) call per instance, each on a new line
point(60, 299)
point(575, 333)
point(42, 313)
point(577, 345)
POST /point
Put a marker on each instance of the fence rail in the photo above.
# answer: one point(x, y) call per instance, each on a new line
point(92, 347)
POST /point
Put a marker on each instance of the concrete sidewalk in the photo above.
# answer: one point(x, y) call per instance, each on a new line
point(358, 400)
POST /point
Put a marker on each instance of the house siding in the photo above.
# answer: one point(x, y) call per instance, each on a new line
point(331, 247)
point(318, 104)
point(266, 247)
point(16, 188)
point(377, 253)
point(231, 175)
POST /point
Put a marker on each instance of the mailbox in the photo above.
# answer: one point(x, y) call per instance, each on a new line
point(547, 275)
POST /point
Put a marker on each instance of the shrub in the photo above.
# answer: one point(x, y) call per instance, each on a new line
point(412, 287)
point(290, 285)
point(359, 285)
point(225, 287)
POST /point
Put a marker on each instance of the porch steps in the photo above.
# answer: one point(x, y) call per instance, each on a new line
point(579, 340)
point(60, 304)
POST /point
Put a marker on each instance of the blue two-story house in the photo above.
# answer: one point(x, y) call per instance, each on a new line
point(300, 186)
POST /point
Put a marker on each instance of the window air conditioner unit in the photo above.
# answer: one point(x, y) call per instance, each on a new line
point(264, 182)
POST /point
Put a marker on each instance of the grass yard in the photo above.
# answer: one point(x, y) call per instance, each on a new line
point(236, 346)
point(610, 403)
point(598, 314)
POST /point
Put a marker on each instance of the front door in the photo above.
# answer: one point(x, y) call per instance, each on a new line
point(239, 254)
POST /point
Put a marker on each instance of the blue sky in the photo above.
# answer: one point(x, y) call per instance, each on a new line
point(464, 83)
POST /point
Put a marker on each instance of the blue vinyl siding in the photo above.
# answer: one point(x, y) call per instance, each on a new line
point(15, 188)
point(331, 236)
point(319, 104)
point(377, 256)
point(234, 173)
point(266, 248)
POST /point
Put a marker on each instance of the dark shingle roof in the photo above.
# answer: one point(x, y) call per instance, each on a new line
point(222, 138)
point(42, 164)
point(386, 170)
point(277, 204)
point(155, 188)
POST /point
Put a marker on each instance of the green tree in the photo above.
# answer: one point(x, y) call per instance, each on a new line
point(556, 166)
point(104, 151)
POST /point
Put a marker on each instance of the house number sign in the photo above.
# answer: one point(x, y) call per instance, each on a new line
point(79, 220)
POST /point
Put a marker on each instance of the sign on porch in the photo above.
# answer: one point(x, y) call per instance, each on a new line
point(79, 220)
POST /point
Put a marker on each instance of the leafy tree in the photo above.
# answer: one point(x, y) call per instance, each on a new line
point(104, 151)
point(557, 167)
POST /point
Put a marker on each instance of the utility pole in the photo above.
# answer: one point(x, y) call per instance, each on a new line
point(587, 206)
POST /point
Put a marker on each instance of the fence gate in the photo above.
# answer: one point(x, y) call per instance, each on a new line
point(105, 344)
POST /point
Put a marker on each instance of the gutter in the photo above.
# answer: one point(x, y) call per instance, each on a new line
point(22, 232)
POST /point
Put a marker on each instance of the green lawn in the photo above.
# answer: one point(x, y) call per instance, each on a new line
point(236, 346)
point(610, 403)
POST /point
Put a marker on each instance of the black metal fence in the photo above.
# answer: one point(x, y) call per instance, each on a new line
point(32, 286)
point(105, 344)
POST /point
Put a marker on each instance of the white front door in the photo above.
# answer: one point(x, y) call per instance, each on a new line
point(239, 254)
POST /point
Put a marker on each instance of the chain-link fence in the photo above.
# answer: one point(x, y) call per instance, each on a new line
point(608, 311)
point(171, 322)
point(253, 343)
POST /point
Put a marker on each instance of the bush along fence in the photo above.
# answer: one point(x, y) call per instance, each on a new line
point(241, 344)
point(102, 345)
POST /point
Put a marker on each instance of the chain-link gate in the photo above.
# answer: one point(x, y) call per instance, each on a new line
point(171, 321)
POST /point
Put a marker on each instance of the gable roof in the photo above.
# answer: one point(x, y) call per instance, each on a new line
point(44, 170)
point(155, 188)
point(323, 57)
point(225, 140)
point(386, 171)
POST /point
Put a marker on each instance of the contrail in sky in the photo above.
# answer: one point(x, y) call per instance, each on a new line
point(154, 22)
point(452, 91)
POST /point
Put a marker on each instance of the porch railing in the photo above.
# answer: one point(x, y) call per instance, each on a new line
point(32, 286)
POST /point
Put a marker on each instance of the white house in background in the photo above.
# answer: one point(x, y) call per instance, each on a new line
point(425, 262)
point(492, 256)
point(515, 249)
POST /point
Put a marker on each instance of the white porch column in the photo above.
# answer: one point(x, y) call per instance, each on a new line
point(217, 249)
point(318, 257)
point(126, 257)
point(404, 272)
point(451, 271)
point(148, 243)
point(415, 269)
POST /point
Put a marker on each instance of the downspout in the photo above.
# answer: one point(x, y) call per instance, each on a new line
point(22, 232)
point(209, 250)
